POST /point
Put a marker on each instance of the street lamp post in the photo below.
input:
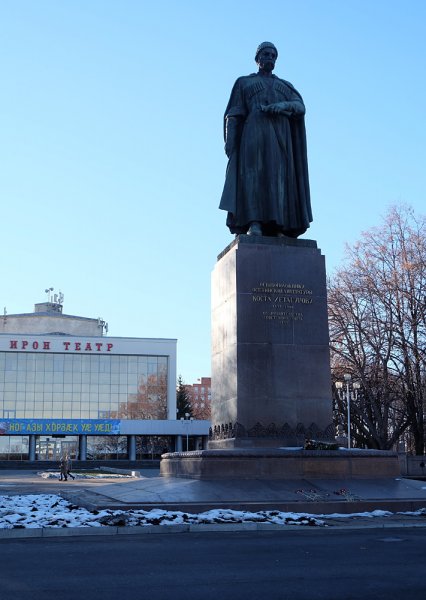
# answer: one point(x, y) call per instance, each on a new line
point(187, 420)
point(349, 390)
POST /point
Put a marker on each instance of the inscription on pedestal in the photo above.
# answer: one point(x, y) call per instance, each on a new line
point(282, 302)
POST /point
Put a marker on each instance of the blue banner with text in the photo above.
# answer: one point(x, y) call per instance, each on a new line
point(59, 427)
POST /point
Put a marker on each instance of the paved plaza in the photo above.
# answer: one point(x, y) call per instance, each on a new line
point(152, 491)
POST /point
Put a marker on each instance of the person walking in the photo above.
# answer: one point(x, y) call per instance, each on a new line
point(68, 467)
point(63, 475)
point(65, 467)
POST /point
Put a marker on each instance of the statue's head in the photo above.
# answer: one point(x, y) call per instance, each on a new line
point(266, 55)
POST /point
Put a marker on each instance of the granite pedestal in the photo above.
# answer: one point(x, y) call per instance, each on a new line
point(271, 377)
point(271, 382)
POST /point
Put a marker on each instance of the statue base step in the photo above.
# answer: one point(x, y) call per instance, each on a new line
point(280, 463)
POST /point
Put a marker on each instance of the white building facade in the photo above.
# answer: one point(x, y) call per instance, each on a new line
point(66, 387)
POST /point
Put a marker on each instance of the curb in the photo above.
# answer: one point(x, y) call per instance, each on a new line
point(60, 532)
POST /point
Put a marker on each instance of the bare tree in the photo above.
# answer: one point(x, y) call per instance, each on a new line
point(377, 306)
point(202, 409)
point(150, 401)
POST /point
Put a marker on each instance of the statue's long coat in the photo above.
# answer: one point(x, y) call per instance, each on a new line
point(267, 174)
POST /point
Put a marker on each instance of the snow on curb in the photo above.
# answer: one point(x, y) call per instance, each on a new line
point(51, 512)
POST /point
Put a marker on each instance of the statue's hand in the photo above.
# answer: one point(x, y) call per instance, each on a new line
point(278, 108)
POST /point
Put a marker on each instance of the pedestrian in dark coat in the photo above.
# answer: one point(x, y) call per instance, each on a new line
point(68, 465)
point(63, 474)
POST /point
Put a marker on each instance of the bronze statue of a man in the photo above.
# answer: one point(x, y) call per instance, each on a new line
point(266, 189)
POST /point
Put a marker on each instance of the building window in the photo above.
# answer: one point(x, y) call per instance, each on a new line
point(70, 386)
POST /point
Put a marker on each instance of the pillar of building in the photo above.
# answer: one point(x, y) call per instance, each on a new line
point(178, 443)
point(82, 447)
point(131, 447)
point(32, 447)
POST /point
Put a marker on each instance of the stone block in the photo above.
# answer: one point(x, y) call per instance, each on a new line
point(270, 345)
point(280, 464)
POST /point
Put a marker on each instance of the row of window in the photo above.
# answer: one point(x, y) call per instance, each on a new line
point(61, 413)
point(29, 362)
point(77, 377)
point(66, 362)
point(91, 387)
point(98, 447)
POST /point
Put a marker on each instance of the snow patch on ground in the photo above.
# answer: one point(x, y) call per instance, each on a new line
point(79, 475)
point(50, 510)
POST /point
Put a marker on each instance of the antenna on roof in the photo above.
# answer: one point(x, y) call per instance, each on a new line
point(102, 324)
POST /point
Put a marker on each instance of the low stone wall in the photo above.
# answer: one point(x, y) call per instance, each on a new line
point(412, 466)
point(280, 464)
point(121, 471)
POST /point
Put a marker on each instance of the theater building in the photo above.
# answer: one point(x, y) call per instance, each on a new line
point(66, 387)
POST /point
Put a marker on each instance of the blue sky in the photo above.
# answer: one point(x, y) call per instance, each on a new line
point(112, 161)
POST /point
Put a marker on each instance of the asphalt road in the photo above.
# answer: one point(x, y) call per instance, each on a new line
point(307, 564)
